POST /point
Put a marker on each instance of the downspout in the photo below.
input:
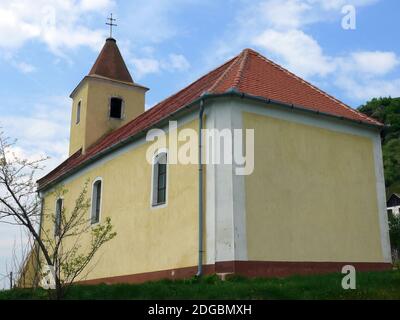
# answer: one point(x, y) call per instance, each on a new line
point(200, 263)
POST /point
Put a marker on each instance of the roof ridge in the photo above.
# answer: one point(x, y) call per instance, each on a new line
point(312, 86)
point(222, 76)
point(191, 84)
point(244, 59)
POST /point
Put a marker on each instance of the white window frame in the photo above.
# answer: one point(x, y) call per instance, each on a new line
point(122, 108)
point(154, 183)
point(92, 201)
point(55, 214)
point(78, 112)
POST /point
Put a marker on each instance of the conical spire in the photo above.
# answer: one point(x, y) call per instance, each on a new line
point(110, 64)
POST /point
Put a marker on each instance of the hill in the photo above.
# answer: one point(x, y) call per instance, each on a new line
point(387, 111)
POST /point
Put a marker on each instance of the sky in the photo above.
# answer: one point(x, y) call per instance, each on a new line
point(48, 46)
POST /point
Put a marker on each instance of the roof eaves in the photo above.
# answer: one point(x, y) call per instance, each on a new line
point(370, 124)
point(97, 77)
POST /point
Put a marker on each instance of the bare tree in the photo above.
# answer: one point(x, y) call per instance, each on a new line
point(59, 238)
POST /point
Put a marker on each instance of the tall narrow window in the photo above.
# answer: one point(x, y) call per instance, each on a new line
point(160, 179)
point(78, 113)
point(116, 108)
point(59, 207)
point(96, 202)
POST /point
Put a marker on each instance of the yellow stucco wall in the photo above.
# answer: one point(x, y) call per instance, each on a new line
point(149, 239)
point(95, 95)
point(77, 130)
point(312, 195)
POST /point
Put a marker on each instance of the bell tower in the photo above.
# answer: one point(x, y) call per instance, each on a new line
point(105, 100)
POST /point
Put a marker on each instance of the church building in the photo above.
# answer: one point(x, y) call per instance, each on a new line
point(314, 201)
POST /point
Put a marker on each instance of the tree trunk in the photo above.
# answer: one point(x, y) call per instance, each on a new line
point(59, 294)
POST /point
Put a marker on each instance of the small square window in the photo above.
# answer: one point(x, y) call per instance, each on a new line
point(116, 108)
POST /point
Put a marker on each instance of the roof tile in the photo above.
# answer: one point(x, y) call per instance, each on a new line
point(110, 64)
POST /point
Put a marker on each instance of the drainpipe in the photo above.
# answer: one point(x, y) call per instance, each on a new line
point(200, 264)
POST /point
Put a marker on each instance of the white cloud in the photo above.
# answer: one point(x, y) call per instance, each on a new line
point(374, 62)
point(22, 66)
point(95, 5)
point(256, 17)
point(173, 63)
point(25, 67)
point(338, 4)
point(300, 52)
point(365, 89)
point(60, 24)
point(284, 14)
point(154, 21)
point(177, 62)
point(145, 66)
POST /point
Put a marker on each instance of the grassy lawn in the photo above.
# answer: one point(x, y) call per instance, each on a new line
point(370, 285)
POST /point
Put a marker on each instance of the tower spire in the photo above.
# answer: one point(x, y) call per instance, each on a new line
point(111, 23)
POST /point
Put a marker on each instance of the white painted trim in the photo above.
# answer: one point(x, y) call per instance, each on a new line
point(152, 185)
point(122, 84)
point(381, 198)
point(226, 238)
point(224, 223)
point(239, 196)
point(210, 191)
point(101, 200)
point(225, 194)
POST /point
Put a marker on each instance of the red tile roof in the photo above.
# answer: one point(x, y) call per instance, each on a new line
point(248, 73)
point(110, 63)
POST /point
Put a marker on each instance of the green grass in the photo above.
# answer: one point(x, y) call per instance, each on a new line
point(370, 285)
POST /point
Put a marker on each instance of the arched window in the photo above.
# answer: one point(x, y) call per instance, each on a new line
point(116, 105)
point(96, 202)
point(78, 112)
point(57, 222)
point(159, 189)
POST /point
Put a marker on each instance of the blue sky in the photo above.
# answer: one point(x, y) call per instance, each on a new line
point(48, 46)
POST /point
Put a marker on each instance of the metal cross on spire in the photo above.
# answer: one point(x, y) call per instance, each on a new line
point(111, 24)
